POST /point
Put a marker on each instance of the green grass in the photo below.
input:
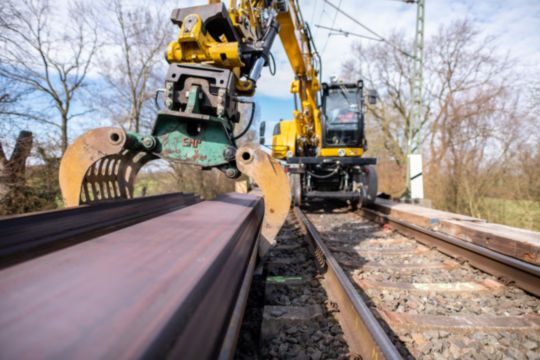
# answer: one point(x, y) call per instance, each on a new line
point(154, 185)
point(518, 213)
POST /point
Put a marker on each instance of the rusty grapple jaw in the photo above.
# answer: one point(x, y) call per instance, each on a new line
point(101, 165)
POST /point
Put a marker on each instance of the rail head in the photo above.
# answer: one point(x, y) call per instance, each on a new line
point(521, 244)
point(26, 235)
point(365, 333)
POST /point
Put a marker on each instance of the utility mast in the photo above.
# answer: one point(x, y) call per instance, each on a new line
point(415, 181)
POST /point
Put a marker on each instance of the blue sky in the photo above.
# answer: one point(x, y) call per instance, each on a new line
point(272, 109)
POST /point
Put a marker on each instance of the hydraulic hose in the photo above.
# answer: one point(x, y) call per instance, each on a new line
point(324, 176)
point(249, 123)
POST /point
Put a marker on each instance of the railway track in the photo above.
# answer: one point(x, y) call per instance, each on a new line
point(289, 314)
point(149, 278)
point(426, 303)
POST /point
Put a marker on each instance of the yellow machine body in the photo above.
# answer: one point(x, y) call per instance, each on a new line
point(284, 139)
point(193, 46)
point(347, 151)
point(322, 160)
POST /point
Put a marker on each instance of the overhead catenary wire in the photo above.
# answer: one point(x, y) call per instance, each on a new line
point(347, 33)
point(380, 37)
point(314, 11)
point(333, 23)
point(321, 16)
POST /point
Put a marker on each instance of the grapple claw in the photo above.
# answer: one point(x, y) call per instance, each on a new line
point(272, 180)
point(100, 165)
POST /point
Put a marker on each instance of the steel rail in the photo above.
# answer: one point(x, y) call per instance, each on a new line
point(167, 287)
point(525, 275)
point(24, 235)
point(363, 331)
point(228, 347)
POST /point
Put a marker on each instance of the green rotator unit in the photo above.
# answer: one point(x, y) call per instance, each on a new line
point(187, 136)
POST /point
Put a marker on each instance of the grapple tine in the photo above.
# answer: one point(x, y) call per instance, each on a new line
point(99, 166)
point(272, 180)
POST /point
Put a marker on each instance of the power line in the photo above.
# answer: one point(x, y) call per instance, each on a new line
point(314, 11)
point(380, 37)
point(347, 33)
point(322, 13)
point(333, 23)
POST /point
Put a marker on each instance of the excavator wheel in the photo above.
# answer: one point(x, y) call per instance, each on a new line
point(99, 166)
point(372, 181)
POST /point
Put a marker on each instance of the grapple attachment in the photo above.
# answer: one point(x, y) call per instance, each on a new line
point(100, 165)
point(212, 67)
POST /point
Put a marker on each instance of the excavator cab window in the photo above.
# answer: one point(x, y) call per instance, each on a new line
point(343, 115)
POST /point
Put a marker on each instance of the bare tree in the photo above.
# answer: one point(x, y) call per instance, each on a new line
point(477, 153)
point(477, 119)
point(383, 68)
point(49, 54)
point(133, 66)
point(9, 96)
point(12, 172)
point(477, 130)
point(462, 71)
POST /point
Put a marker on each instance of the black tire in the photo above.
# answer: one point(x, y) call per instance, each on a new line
point(372, 184)
point(357, 183)
point(296, 189)
point(354, 204)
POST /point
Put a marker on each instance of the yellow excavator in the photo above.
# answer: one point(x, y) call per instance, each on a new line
point(325, 161)
point(214, 66)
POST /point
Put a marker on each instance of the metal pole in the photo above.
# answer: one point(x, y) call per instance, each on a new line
point(415, 185)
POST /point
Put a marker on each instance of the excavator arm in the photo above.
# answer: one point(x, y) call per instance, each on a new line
point(214, 66)
point(296, 38)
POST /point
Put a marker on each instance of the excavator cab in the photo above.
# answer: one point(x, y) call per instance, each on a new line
point(343, 118)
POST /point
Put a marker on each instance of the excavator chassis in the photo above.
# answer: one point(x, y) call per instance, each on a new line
point(352, 179)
